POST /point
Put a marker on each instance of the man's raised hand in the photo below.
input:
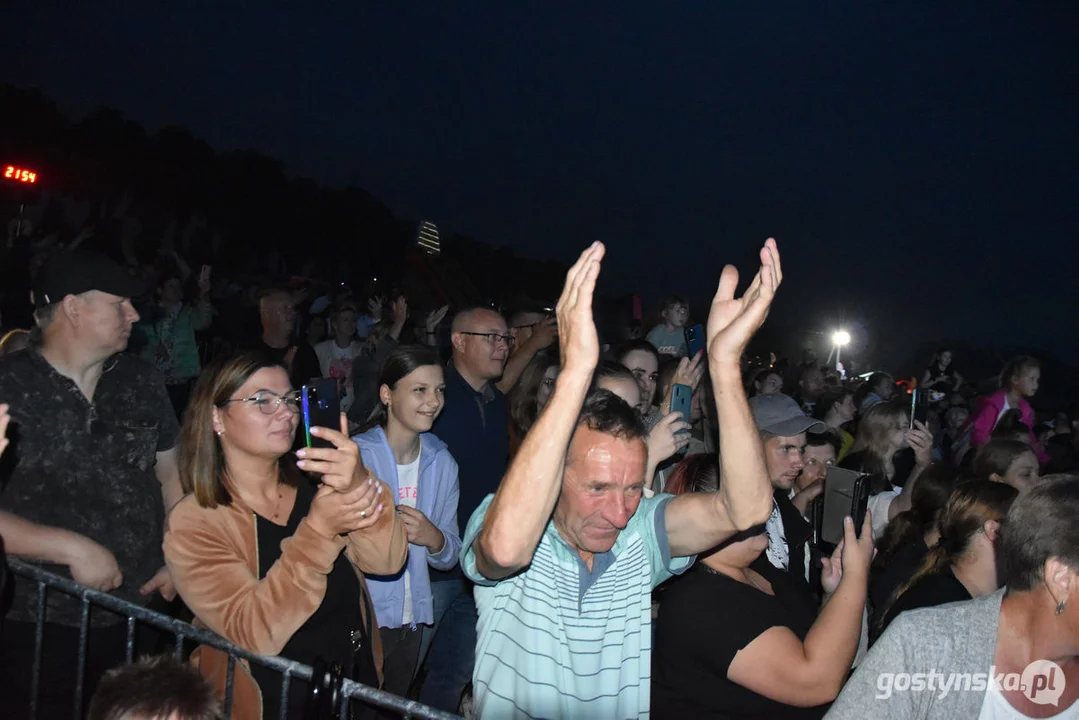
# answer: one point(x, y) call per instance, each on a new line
point(733, 321)
point(578, 341)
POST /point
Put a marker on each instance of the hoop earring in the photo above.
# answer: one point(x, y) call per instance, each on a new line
point(1060, 607)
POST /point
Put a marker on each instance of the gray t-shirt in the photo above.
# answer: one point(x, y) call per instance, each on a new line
point(950, 643)
point(669, 343)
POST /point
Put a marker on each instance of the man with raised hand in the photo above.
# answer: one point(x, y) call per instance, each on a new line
point(566, 553)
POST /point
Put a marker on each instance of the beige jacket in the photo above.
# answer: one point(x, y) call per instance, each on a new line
point(212, 554)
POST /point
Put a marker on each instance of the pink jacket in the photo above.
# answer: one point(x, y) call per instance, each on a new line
point(985, 419)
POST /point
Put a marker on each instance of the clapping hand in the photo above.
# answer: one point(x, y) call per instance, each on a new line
point(578, 340)
point(434, 318)
point(374, 308)
point(733, 321)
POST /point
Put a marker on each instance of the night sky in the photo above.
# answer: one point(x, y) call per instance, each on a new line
point(918, 162)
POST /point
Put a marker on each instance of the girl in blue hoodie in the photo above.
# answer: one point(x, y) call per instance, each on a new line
point(422, 476)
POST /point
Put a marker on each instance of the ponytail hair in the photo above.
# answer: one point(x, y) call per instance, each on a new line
point(970, 506)
point(928, 499)
point(400, 364)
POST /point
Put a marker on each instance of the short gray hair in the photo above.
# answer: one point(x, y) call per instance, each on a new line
point(43, 316)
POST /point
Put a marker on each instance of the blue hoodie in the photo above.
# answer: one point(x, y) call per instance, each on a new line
point(436, 497)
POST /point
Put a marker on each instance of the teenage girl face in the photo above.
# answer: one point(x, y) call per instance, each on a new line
point(416, 399)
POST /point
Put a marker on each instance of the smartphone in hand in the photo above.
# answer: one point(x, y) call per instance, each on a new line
point(681, 402)
point(321, 408)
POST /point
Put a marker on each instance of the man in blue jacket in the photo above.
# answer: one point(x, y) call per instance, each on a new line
point(475, 427)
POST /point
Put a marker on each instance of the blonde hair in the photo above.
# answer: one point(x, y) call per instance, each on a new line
point(875, 431)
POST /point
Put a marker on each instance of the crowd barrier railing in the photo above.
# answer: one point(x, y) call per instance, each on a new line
point(183, 632)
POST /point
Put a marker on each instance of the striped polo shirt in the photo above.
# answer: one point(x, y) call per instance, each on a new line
point(560, 641)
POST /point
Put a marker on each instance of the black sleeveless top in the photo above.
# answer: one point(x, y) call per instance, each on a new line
point(327, 634)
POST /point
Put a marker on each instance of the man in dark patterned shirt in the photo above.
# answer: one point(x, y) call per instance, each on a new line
point(89, 475)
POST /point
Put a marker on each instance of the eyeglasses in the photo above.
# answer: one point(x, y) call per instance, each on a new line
point(492, 338)
point(267, 402)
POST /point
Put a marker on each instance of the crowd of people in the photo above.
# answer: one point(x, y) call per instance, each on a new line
point(516, 516)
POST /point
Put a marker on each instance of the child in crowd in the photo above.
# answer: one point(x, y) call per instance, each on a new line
point(669, 336)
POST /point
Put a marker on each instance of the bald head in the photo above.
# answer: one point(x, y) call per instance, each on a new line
point(473, 318)
point(480, 348)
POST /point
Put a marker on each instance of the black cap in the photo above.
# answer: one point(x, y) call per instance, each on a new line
point(72, 273)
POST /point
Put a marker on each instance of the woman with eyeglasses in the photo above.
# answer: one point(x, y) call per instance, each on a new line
point(255, 549)
point(736, 638)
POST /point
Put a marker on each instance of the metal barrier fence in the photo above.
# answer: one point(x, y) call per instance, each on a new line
point(183, 631)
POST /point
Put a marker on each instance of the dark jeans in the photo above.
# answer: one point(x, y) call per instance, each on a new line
point(443, 593)
point(400, 651)
point(452, 654)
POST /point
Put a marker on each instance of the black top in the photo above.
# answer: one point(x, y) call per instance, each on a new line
point(932, 590)
point(883, 581)
point(704, 620)
point(903, 462)
point(305, 365)
point(942, 379)
point(87, 467)
point(475, 427)
point(327, 633)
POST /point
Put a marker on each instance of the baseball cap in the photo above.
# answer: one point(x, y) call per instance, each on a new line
point(780, 415)
point(72, 273)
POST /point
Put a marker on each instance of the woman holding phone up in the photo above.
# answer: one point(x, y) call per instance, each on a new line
point(255, 547)
point(736, 638)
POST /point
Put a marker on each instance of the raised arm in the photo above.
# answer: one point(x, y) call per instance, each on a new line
point(527, 495)
point(697, 522)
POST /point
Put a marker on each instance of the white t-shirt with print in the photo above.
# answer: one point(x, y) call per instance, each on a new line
point(336, 362)
point(408, 481)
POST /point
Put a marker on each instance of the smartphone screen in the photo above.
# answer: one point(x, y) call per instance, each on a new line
point(321, 408)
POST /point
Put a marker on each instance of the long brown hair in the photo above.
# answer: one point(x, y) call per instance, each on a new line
point(927, 501)
point(202, 462)
point(970, 506)
point(524, 408)
point(874, 437)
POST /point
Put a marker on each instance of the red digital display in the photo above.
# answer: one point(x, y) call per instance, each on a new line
point(19, 174)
